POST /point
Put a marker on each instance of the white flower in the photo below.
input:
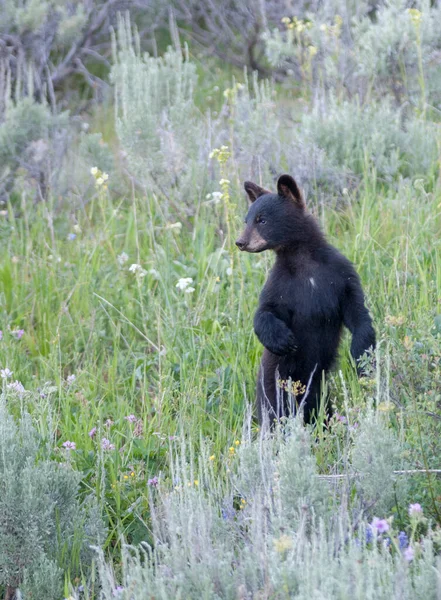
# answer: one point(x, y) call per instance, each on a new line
point(138, 270)
point(100, 181)
point(94, 170)
point(183, 283)
point(122, 258)
point(229, 271)
point(5, 373)
point(177, 226)
point(224, 182)
point(105, 176)
point(154, 273)
point(70, 379)
point(189, 290)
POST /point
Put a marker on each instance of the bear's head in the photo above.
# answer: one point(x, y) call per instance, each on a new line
point(274, 221)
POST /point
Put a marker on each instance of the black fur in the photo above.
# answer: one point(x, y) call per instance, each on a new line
point(311, 292)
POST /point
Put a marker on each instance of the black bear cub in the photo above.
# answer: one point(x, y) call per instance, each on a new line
point(311, 292)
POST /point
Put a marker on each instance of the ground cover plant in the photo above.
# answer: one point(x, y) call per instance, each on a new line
point(127, 356)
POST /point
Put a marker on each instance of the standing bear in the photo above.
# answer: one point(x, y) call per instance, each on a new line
point(311, 292)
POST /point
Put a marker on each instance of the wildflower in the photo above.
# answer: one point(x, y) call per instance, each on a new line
point(229, 271)
point(67, 445)
point(92, 432)
point(409, 554)
point(415, 510)
point(18, 333)
point(215, 197)
point(106, 445)
point(190, 290)
point(224, 181)
point(154, 273)
point(283, 543)
point(100, 181)
point(105, 176)
point(394, 321)
point(237, 442)
point(403, 540)
point(285, 20)
point(118, 590)
point(131, 418)
point(232, 450)
point(16, 386)
point(196, 482)
point(132, 474)
point(184, 283)
point(137, 270)
point(70, 379)
point(108, 423)
point(381, 525)
point(153, 482)
point(122, 258)
point(312, 51)
point(94, 171)
point(212, 457)
point(177, 226)
point(5, 373)
point(1, 334)
point(415, 15)
point(71, 237)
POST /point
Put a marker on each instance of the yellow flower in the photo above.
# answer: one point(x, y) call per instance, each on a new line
point(415, 15)
point(212, 457)
point(312, 51)
point(237, 442)
point(126, 476)
point(285, 20)
point(132, 474)
point(231, 449)
point(394, 321)
point(283, 543)
point(196, 482)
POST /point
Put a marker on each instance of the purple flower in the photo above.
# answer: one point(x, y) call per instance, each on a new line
point(1, 334)
point(69, 445)
point(70, 379)
point(117, 591)
point(342, 419)
point(106, 445)
point(92, 432)
point(369, 535)
point(16, 386)
point(153, 482)
point(18, 333)
point(71, 237)
point(409, 554)
point(403, 540)
point(109, 423)
point(415, 509)
point(131, 418)
point(381, 525)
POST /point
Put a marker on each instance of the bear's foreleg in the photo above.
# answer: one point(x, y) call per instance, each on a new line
point(273, 333)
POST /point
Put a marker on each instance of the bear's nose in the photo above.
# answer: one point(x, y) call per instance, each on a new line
point(241, 245)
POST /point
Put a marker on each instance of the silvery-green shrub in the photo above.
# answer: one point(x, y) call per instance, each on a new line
point(44, 527)
point(272, 530)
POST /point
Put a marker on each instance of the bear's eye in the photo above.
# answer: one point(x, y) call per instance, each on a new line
point(260, 220)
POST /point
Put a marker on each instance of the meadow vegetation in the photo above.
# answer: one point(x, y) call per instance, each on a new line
point(130, 463)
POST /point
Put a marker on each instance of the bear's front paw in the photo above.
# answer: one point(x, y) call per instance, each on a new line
point(285, 344)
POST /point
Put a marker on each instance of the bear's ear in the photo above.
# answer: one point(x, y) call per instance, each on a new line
point(288, 188)
point(254, 191)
